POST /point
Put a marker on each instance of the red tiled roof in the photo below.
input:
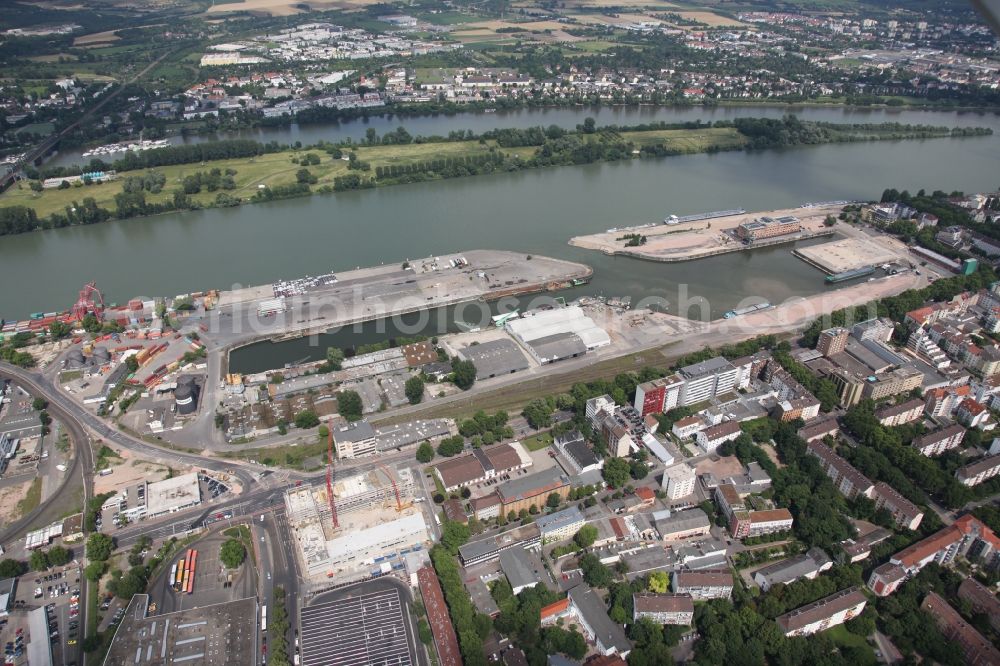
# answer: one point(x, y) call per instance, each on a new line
point(555, 608)
point(437, 615)
point(645, 494)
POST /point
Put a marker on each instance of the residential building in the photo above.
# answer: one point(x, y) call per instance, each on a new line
point(856, 550)
point(944, 401)
point(688, 426)
point(848, 480)
point(735, 510)
point(354, 440)
point(678, 481)
point(561, 524)
point(894, 382)
point(704, 584)
point(904, 512)
point(532, 490)
point(981, 599)
point(707, 379)
point(715, 436)
point(823, 614)
point(849, 387)
point(769, 522)
point(937, 442)
point(967, 537)
point(684, 525)
point(608, 637)
point(817, 431)
point(896, 415)
point(879, 330)
point(885, 578)
point(659, 395)
point(459, 471)
point(978, 471)
point(832, 341)
point(976, 648)
point(523, 568)
point(808, 565)
point(663, 608)
point(805, 408)
point(972, 414)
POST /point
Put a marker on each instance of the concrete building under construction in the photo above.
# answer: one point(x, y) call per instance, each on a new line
point(374, 508)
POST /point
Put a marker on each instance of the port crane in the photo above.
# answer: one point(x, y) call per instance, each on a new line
point(90, 301)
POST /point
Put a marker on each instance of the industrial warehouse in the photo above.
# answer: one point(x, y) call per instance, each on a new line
point(553, 335)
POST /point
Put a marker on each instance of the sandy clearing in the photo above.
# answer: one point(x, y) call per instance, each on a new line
point(721, 468)
point(129, 471)
point(693, 239)
point(9, 497)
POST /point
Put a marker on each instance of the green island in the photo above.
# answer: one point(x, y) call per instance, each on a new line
point(236, 172)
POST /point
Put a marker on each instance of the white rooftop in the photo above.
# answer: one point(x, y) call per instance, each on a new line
point(171, 494)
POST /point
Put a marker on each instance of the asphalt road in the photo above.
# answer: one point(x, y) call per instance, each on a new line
point(81, 470)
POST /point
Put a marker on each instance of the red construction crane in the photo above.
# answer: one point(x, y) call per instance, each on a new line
point(329, 475)
point(399, 502)
point(90, 301)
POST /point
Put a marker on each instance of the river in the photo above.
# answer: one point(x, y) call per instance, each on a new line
point(530, 211)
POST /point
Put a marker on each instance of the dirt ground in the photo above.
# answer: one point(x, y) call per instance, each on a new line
point(694, 239)
point(130, 471)
point(721, 468)
point(9, 497)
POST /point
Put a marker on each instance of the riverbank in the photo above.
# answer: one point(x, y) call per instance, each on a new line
point(704, 238)
point(401, 159)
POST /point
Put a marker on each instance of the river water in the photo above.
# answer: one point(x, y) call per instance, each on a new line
point(530, 211)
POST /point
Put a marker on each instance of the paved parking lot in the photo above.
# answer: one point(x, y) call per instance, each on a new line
point(56, 591)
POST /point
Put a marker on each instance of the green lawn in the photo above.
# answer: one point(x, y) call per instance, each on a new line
point(843, 638)
point(688, 140)
point(538, 442)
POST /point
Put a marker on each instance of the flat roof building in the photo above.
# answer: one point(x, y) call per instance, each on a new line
point(170, 495)
point(224, 634)
point(684, 525)
point(704, 584)
point(608, 637)
point(523, 568)
point(354, 440)
point(561, 524)
point(495, 358)
point(808, 565)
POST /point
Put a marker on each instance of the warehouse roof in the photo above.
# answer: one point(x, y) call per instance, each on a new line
point(495, 358)
point(460, 471)
point(171, 494)
point(532, 485)
point(558, 346)
point(571, 319)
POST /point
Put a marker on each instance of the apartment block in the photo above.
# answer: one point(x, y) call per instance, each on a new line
point(678, 481)
point(713, 437)
point(832, 341)
point(848, 480)
point(703, 584)
point(901, 414)
point(979, 471)
point(823, 614)
point(886, 578)
point(894, 382)
point(937, 442)
point(904, 512)
point(976, 648)
point(664, 608)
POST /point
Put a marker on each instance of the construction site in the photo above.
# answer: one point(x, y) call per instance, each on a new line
point(361, 526)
